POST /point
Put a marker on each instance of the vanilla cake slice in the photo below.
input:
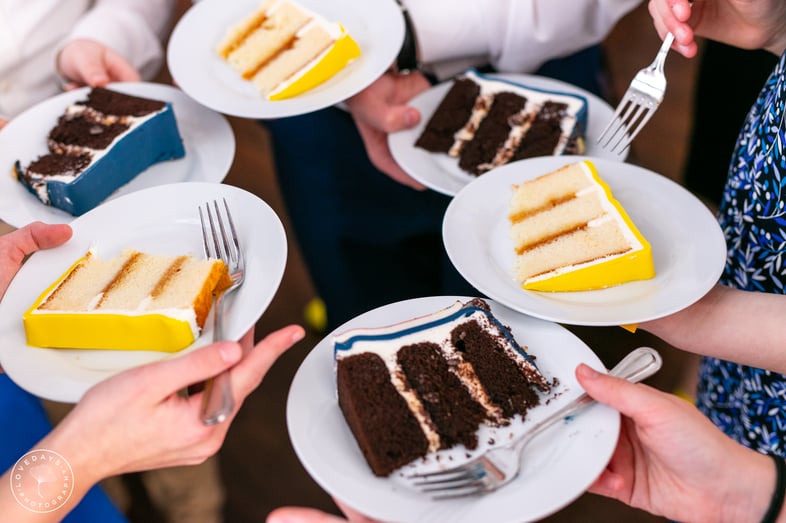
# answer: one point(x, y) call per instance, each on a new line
point(135, 301)
point(570, 234)
point(285, 49)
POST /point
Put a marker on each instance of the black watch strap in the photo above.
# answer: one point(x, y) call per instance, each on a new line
point(407, 59)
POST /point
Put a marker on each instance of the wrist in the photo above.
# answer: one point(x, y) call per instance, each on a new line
point(747, 489)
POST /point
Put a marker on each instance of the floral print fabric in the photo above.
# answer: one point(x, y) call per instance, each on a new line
point(749, 404)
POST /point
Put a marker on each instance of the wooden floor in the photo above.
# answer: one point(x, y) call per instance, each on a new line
point(258, 464)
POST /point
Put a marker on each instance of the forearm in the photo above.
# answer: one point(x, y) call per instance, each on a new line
point(731, 324)
point(50, 480)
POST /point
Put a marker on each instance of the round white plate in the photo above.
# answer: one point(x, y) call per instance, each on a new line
point(158, 220)
point(377, 27)
point(441, 172)
point(558, 468)
point(207, 137)
point(688, 246)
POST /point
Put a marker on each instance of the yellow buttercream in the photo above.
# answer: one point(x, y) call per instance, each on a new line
point(631, 266)
point(343, 51)
point(74, 330)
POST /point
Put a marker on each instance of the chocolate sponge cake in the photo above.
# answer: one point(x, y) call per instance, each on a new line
point(494, 121)
point(429, 383)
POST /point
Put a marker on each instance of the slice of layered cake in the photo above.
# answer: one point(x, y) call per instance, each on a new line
point(135, 301)
point(571, 234)
point(286, 49)
point(98, 145)
point(428, 383)
point(487, 122)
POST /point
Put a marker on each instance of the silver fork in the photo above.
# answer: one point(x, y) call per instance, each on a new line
point(639, 103)
point(220, 242)
point(498, 466)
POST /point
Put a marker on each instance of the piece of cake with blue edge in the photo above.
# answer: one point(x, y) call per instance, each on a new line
point(98, 145)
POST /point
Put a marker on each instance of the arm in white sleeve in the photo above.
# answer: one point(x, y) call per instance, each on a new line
point(133, 28)
point(512, 35)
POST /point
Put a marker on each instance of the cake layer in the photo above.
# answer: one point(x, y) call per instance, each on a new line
point(478, 155)
point(452, 370)
point(570, 234)
point(281, 23)
point(364, 388)
point(533, 122)
point(135, 301)
point(453, 111)
point(286, 49)
point(93, 153)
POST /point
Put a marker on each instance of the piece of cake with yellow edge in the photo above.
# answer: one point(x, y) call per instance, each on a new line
point(571, 234)
point(285, 49)
point(134, 301)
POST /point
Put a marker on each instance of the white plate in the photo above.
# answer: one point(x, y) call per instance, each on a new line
point(441, 173)
point(558, 469)
point(377, 27)
point(207, 138)
point(688, 246)
point(158, 220)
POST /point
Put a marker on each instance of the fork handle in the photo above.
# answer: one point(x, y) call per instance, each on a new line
point(638, 365)
point(217, 400)
point(660, 58)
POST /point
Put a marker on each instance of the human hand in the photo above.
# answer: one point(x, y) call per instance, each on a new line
point(312, 515)
point(16, 245)
point(136, 420)
point(380, 109)
point(3, 122)
point(672, 461)
point(741, 23)
point(88, 62)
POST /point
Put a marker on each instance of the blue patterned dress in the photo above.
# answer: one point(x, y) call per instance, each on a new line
point(749, 404)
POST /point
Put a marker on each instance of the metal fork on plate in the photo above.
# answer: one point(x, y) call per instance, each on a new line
point(639, 103)
point(498, 466)
point(220, 242)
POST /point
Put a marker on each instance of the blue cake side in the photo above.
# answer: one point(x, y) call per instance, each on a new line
point(155, 140)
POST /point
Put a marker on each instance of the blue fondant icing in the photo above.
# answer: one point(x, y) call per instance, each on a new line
point(153, 141)
point(463, 312)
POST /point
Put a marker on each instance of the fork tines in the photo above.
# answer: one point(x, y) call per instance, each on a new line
point(218, 232)
point(638, 104)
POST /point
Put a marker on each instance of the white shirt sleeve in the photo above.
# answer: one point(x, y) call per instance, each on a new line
point(512, 35)
point(133, 28)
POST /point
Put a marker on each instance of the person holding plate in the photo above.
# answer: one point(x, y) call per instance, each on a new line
point(157, 427)
point(52, 44)
point(370, 234)
point(671, 460)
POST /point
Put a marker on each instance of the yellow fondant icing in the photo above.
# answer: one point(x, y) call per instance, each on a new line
point(72, 330)
point(343, 51)
point(631, 266)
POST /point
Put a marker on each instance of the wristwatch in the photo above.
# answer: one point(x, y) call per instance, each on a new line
point(407, 59)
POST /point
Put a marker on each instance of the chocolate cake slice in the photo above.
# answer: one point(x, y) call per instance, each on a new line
point(98, 145)
point(450, 116)
point(498, 129)
point(429, 383)
point(478, 155)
